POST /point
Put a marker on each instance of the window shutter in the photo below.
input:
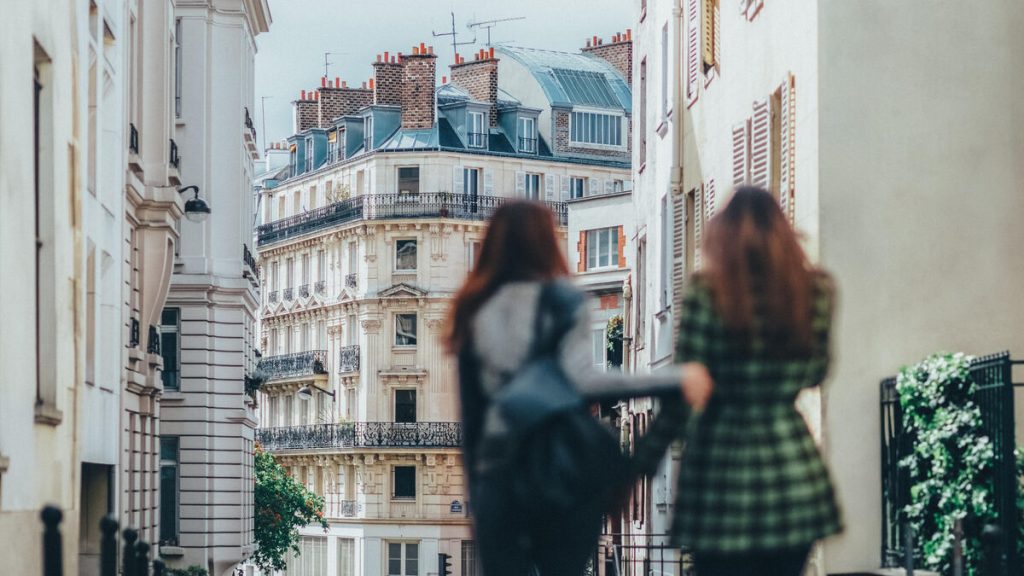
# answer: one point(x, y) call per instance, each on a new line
point(488, 182)
point(622, 246)
point(520, 184)
point(609, 186)
point(710, 204)
point(565, 187)
point(581, 250)
point(760, 145)
point(549, 187)
point(787, 162)
point(692, 51)
point(678, 251)
point(698, 225)
point(458, 185)
point(707, 17)
point(740, 153)
point(595, 186)
point(717, 32)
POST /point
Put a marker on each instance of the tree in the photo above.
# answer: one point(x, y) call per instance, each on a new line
point(283, 505)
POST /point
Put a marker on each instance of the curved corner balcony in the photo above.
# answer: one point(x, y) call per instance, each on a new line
point(392, 206)
point(362, 435)
point(295, 365)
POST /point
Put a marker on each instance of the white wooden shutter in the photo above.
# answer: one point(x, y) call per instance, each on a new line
point(710, 202)
point(520, 184)
point(692, 50)
point(458, 183)
point(787, 161)
point(740, 153)
point(698, 225)
point(717, 48)
point(707, 37)
point(488, 182)
point(549, 187)
point(566, 180)
point(760, 144)
point(678, 252)
point(596, 186)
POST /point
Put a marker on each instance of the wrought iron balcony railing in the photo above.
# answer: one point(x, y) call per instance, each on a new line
point(135, 335)
point(272, 297)
point(349, 508)
point(348, 359)
point(528, 145)
point(249, 261)
point(392, 206)
point(304, 291)
point(476, 139)
point(362, 435)
point(320, 287)
point(294, 365)
point(287, 294)
point(133, 139)
point(174, 160)
point(351, 281)
point(154, 340)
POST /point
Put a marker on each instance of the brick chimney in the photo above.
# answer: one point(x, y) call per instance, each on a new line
point(418, 83)
point(306, 110)
point(387, 79)
point(479, 77)
point(337, 99)
point(618, 52)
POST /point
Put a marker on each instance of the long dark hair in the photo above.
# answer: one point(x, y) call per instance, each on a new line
point(757, 269)
point(520, 244)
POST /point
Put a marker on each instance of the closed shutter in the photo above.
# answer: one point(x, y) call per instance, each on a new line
point(707, 40)
point(596, 185)
point(678, 251)
point(488, 182)
point(581, 251)
point(698, 226)
point(740, 153)
point(565, 187)
point(520, 184)
point(710, 203)
point(760, 144)
point(692, 51)
point(458, 182)
point(717, 32)
point(549, 187)
point(787, 161)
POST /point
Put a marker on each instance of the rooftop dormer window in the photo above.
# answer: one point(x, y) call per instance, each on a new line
point(368, 133)
point(596, 128)
point(309, 155)
point(475, 135)
point(527, 135)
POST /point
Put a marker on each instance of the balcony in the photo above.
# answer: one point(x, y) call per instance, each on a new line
point(174, 160)
point(294, 365)
point(288, 294)
point(348, 359)
point(392, 206)
point(335, 507)
point(362, 435)
point(135, 335)
point(272, 297)
point(133, 139)
point(351, 281)
point(320, 287)
point(250, 262)
point(528, 145)
point(476, 139)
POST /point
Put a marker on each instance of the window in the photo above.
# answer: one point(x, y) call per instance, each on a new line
point(710, 32)
point(169, 460)
point(577, 187)
point(597, 128)
point(664, 279)
point(273, 276)
point(474, 253)
point(305, 268)
point(290, 273)
point(405, 255)
point(475, 136)
point(532, 190)
point(666, 102)
point(598, 345)
point(470, 564)
point(309, 155)
point(471, 181)
point(409, 180)
point(404, 483)
point(351, 330)
point(289, 405)
point(527, 135)
point(170, 347)
point(367, 134)
point(44, 160)
point(405, 405)
point(618, 186)
point(311, 559)
point(177, 68)
point(321, 265)
point(405, 329)
point(403, 559)
point(274, 411)
point(602, 248)
point(346, 557)
point(643, 112)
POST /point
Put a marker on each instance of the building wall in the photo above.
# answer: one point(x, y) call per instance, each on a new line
point(925, 247)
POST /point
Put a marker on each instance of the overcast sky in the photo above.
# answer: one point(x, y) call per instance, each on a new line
point(291, 55)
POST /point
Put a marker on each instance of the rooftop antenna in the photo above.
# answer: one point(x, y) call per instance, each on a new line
point(263, 113)
point(455, 36)
point(488, 24)
point(327, 63)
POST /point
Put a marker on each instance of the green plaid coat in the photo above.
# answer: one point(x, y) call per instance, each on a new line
point(751, 477)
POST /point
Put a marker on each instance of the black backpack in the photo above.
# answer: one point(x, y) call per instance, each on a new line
point(559, 457)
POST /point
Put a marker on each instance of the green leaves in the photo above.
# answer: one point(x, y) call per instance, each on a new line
point(283, 505)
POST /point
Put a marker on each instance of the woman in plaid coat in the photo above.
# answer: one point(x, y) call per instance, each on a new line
point(753, 492)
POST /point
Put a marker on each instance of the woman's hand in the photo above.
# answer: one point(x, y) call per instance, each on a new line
point(697, 385)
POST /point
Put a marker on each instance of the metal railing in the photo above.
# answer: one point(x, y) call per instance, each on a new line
point(348, 359)
point(133, 139)
point(294, 365)
point(641, 555)
point(153, 347)
point(392, 206)
point(320, 287)
point(250, 261)
point(249, 125)
point(135, 553)
point(351, 281)
point(528, 145)
point(349, 508)
point(476, 139)
point(362, 435)
point(175, 160)
point(304, 291)
point(272, 296)
point(135, 333)
point(288, 294)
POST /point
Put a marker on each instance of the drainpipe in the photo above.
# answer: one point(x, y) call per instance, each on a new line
point(627, 324)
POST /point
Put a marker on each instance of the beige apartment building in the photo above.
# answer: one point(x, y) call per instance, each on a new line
point(367, 233)
point(891, 134)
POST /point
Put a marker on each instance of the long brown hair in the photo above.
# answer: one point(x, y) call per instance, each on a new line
point(758, 273)
point(520, 244)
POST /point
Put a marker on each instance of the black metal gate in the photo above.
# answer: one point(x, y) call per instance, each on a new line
point(995, 396)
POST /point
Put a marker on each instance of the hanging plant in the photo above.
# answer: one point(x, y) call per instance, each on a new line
point(613, 332)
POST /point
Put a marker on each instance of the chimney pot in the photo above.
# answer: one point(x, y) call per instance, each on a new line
point(323, 81)
point(364, 85)
point(302, 95)
point(444, 79)
point(423, 48)
point(595, 40)
point(386, 55)
point(415, 50)
point(629, 33)
point(492, 52)
point(344, 84)
point(430, 50)
point(371, 84)
point(588, 42)
point(337, 81)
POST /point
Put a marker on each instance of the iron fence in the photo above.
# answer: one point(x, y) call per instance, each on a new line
point(288, 294)
point(133, 139)
point(153, 347)
point(641, 555)
point(272, 296)
point(362, 435)
point(174, 159)
point(135, 333)
point(993, 376)
point(294, 365)
point(351, 281)
point(527, 145)
point(135, 553)
point(392, 206)
point(320, 287)
point(249, 261)
point(304, 291)
point(348, 359)
point(476, 139)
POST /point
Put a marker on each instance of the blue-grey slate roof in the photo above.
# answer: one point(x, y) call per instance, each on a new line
point(574, 79)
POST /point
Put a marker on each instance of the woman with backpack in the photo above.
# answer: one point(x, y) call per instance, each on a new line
point(541, 470)
point(753, 492)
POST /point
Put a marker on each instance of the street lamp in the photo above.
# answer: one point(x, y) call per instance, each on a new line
point(196, 209)
point(306, 392)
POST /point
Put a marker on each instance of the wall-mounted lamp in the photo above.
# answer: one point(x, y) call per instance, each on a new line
point(306, 392)
point(196, 209)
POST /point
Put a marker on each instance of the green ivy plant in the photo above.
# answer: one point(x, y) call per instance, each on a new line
point(193, 570)
point(613, 332)
point(283, 505)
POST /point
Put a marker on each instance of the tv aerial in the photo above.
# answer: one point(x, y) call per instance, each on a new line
point(488, 24)
point(455, 36)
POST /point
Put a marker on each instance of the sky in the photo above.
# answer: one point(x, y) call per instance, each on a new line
point(290, 57)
